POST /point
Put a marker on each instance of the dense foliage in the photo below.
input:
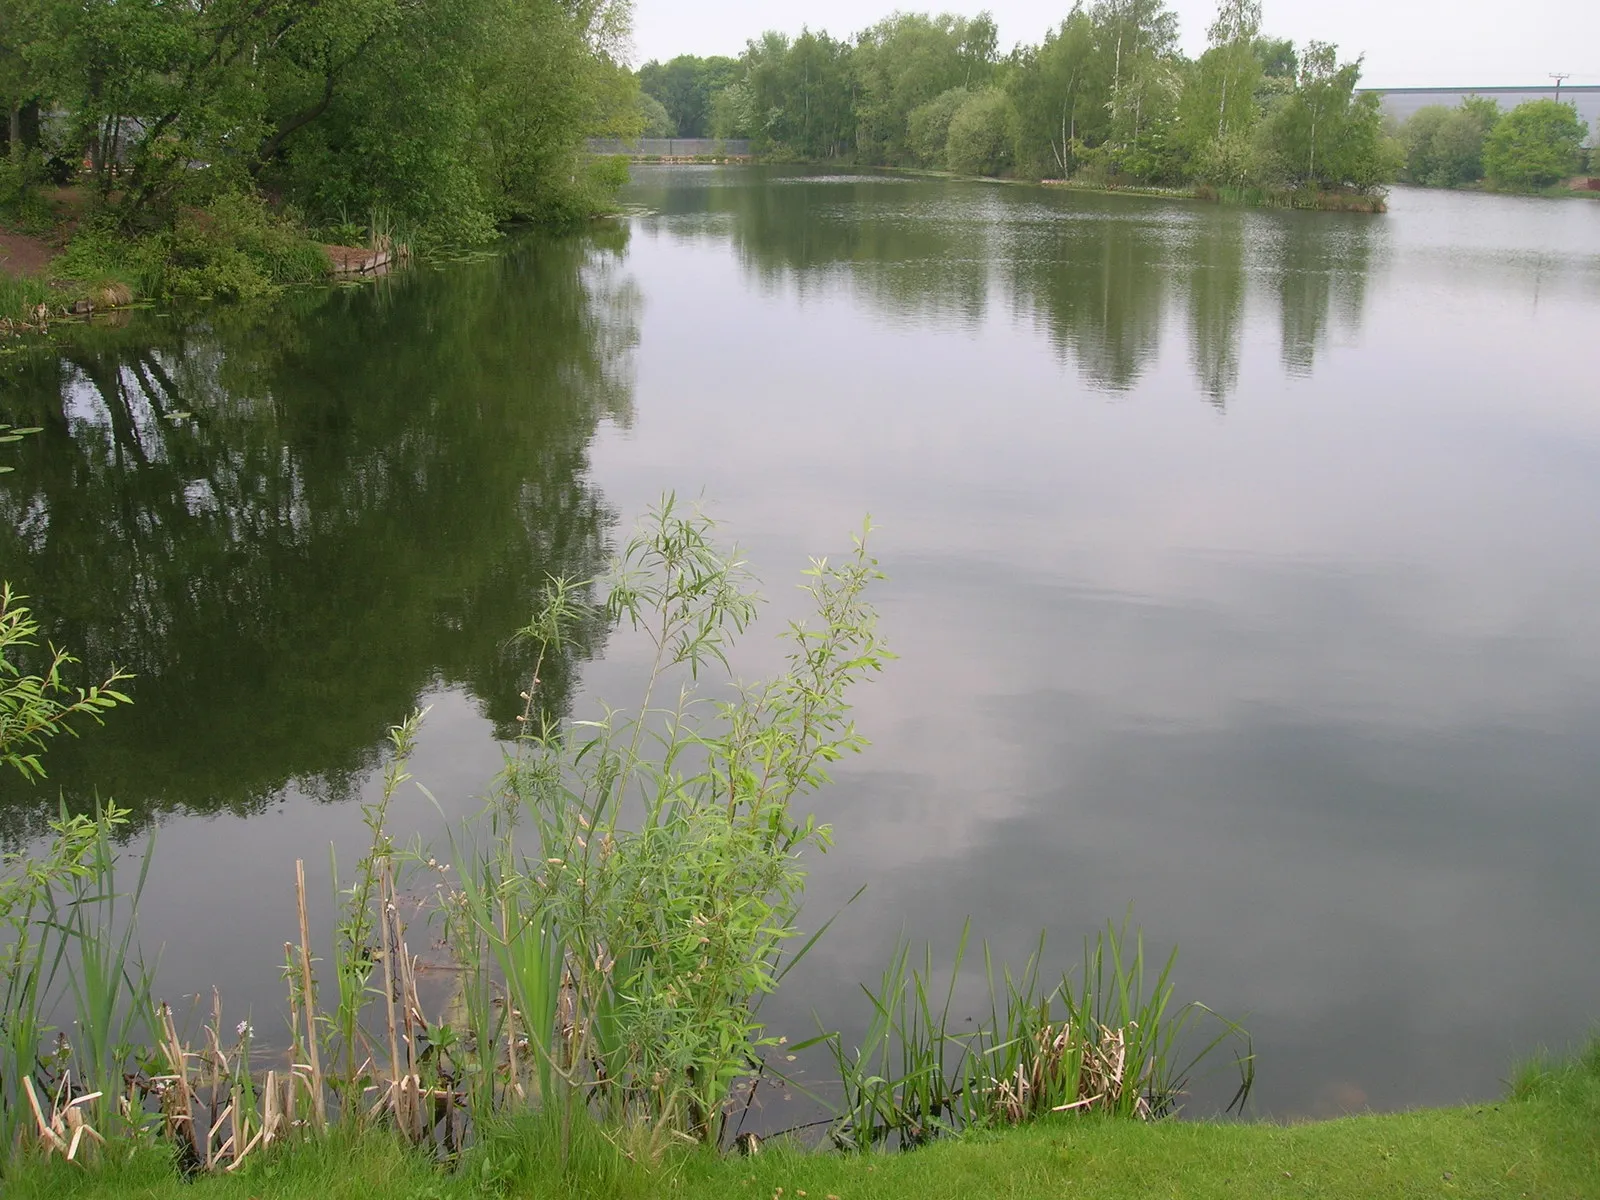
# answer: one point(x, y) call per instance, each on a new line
point(684, 88)
point(1106, 95)
point(443, 117)
point(1534, 146)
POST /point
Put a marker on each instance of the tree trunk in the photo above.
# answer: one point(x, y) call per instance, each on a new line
point(15, 133)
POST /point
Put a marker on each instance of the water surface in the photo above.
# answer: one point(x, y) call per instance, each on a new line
point(1241, 567)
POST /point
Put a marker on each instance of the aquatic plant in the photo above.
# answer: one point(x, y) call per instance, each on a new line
point(1109, 1043)
point(634, 941)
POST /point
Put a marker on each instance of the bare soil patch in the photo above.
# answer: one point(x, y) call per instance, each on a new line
point(22, 254)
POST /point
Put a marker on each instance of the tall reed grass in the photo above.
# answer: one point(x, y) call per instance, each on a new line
point(1110, 1042)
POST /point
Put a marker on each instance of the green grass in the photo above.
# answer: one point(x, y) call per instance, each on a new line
point(19, 297)
point(1542, 1142)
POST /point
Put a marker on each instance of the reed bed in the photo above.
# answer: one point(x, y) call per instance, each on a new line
point(1110, 1042)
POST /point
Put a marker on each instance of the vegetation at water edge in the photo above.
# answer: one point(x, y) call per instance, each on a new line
point(205, 149)
point(1532, 148)
point(612, 921)
point(1543, 1140)
point(1106, 99)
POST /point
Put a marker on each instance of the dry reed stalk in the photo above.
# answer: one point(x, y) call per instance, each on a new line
point(513, 1072)
point(289, 1094)
point(410, 1008)
point(269, 1109)
point(182, 1097)
point(50, 1136)
point(396, 1097)
point(212, 1152)
point(64, 1130)
point(319, 1105)
point(240, 1126)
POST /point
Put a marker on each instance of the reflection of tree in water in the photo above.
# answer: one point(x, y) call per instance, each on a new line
point(1321, 261)
point(1098, 286)
point(1216, 304)
point(911, 249)
point(1092, 270)
point(291, 524)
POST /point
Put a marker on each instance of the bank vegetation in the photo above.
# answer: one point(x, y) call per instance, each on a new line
point(1106, 99)
point(187, 150)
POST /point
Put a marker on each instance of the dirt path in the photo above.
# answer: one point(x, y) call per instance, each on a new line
point(24, 255)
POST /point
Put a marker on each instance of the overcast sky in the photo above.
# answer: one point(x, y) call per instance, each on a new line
point(1420, 43)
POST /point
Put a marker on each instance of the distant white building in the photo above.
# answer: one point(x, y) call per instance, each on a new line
point(1400, 103)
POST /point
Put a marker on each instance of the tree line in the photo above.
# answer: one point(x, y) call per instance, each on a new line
point(1107, 96)
point(1534, 146)
point(449, 117)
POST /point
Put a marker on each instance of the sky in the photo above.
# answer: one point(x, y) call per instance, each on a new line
point(1407, 43)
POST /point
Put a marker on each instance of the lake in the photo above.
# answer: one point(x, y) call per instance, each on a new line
point(1242, 568)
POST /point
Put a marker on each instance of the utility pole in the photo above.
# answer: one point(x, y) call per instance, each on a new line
point(1559, 80)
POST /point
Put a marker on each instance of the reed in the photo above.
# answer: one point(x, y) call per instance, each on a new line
point(1110, 1043)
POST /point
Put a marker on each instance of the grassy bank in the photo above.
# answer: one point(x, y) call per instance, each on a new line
point(1543, 1141)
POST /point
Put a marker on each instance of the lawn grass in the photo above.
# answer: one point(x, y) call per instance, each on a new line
point(1543, 1141)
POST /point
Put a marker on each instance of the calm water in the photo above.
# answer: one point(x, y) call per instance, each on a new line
point(1243, 567)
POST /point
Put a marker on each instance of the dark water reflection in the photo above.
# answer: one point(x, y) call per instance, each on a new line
point(288, 525)
point(1241, 567)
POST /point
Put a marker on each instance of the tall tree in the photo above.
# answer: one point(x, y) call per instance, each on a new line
point(1324, 135)
point(1052, 88)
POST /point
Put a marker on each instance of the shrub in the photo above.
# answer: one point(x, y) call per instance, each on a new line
point(1535, 145)
point(929, 126)
point(1444, 146)
point(981, 135)
point(235, 249)
point(666, 883)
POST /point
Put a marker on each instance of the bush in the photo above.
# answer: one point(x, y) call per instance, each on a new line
point(981, 135)
point(235, 249)
point(928, 126)
point(20, 202)
point(1535, 145)
point(657, 121)
point(1444, 146)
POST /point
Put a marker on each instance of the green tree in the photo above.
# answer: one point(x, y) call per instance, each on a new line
point(928, 128)
point(23, 27)
point(1444, 146)
point(687, 87)
point(1323, 135)
point(731, 112)
point(798, 95)
point(908, 59)
point(1139, 77)
point(655, 121)
point(448, 116)
point(1535, 145)
point(981, 138)
point(1219, 102)
point(1055, 94)
point(1277, 58)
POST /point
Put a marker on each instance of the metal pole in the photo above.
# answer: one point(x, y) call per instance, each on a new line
point(1559, 79)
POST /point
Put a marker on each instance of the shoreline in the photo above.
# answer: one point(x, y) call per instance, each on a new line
point(1544, 1140)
